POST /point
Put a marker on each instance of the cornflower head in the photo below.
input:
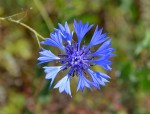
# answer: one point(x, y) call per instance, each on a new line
point(76, 57)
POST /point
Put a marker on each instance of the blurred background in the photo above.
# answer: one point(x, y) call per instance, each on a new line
point(23, 89)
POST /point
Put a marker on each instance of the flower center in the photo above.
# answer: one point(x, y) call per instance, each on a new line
point(75, 58)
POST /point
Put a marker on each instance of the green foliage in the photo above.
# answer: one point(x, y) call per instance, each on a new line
point(125, 21)
point(144, 77)
point(15, 104)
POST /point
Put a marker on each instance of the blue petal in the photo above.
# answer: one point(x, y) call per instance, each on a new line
point(104, 49)
point(81, 29)
point(97, 37)
point(83, 82)
point(104, 62)
point(55, 40)
point(99, 78)
point(65, 32)
point(51, 72)
point(64, 85)
point(103, 75)
point(47, 56)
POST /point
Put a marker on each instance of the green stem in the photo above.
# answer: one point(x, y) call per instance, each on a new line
point(44, 14)
point(22, 24)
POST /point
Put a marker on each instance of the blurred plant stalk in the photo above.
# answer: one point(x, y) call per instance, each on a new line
point(44, 14)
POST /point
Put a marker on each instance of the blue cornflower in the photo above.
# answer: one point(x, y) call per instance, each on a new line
point(76, 57)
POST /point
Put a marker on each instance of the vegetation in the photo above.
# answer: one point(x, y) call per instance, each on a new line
point(23, 88)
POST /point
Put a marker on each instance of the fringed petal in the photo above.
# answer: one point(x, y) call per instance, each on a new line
point(97, 37)
point(51, 72)
point(47, 56)
point(64, 85)
point(81, 29)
